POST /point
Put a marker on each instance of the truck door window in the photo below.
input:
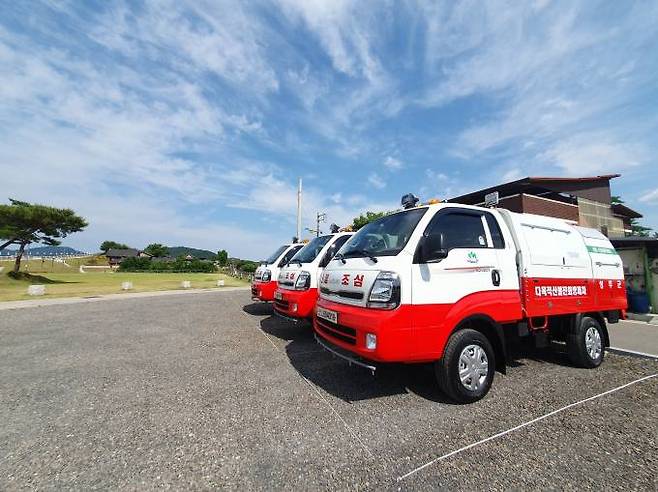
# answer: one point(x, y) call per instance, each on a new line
point(494, 230)
point(459, 230)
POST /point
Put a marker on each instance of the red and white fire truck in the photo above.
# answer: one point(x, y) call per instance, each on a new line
point(446, 283)
point(297, 290)
point(264, 283)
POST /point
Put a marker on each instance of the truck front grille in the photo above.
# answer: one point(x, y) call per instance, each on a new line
point(339, 332)
point(342, 293)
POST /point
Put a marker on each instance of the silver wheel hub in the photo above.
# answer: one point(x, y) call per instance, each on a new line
point(473, 367)
point(593, 343)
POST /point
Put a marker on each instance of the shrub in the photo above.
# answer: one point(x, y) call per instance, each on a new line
point(248, 266)
point(135, 265)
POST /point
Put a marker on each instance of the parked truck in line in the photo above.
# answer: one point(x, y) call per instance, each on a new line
point(447, 283)
point(264, 283)
point(297, 288)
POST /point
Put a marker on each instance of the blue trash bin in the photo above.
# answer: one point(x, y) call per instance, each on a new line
point(638, 302)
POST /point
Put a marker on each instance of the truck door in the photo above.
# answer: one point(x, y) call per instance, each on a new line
point(457, 273)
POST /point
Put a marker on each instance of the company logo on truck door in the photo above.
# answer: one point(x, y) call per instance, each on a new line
point(472, 257)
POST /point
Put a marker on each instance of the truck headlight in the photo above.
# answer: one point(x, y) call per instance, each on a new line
point(303, 281)
point(266, 276)
point(385, 291)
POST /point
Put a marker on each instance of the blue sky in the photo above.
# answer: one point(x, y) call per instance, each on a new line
point(189, 123)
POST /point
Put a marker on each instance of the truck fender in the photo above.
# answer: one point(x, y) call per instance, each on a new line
point(493, 331)
point(578, 317)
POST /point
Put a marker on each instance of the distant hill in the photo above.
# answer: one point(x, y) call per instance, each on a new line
point(45, 251)
point(203, 254)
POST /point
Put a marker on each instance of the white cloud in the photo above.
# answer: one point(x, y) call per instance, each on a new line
point(201, 36)
point(650, 197)
point(376, 181)
point(435, 175)
point(393, 163)
point(548, 72)
point(336, 197)
point(343, 31)
point(592, 154)
point(511, 175)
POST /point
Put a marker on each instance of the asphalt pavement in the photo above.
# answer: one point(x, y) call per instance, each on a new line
point(210, 390)
point(637, 336)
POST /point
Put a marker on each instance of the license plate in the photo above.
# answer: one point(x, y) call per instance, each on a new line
point(328, 315)
point(278, 296)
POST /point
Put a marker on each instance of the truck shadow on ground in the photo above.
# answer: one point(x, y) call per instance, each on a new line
point(258, 309)
point(352, 383)
point(520, 349)
point(349, 383)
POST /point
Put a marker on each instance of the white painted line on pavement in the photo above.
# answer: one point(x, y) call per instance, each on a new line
point(521, 426)
point(351, 431)
point(638, 322)
point(632, 352)
point(322, 399)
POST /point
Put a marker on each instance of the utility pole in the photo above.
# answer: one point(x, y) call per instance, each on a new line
point(299, 210)
point(319, 217)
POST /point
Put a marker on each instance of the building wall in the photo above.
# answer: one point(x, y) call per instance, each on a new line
point(512, 203)
point(550, 208)
point(599, 216)
point(595, 190)
point(530, 204)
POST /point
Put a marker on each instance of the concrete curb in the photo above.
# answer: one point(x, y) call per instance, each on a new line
point(110, 297)
point(647, 318)
point(632, 353)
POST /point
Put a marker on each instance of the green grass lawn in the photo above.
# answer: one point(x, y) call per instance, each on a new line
point(75, 284)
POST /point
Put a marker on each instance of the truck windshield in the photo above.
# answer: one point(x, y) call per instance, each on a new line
point(311, 251)
point(276, 254)
point(383, 237)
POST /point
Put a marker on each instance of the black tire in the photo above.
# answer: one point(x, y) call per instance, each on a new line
point(447, 368)
point(577, 342)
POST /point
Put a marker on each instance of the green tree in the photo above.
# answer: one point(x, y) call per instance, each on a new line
point(362, 219)
point(248, 266)
point(157, 250)
point(222, 257)
point(23, 223)
point(107, 245)
point(637, 229)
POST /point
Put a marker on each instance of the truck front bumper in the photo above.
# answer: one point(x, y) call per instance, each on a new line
point(263, 291)
point(392, 329)
point(296, 304)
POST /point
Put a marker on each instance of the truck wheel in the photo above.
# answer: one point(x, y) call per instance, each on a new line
point(466, 371)
point(585, 344)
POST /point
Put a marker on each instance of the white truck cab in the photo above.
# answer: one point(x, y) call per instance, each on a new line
point(264, 283)
point(442, 283)
point(297, 290)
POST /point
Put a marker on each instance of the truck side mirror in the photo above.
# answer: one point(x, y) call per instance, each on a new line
point(327, 256)
point(432, 248)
